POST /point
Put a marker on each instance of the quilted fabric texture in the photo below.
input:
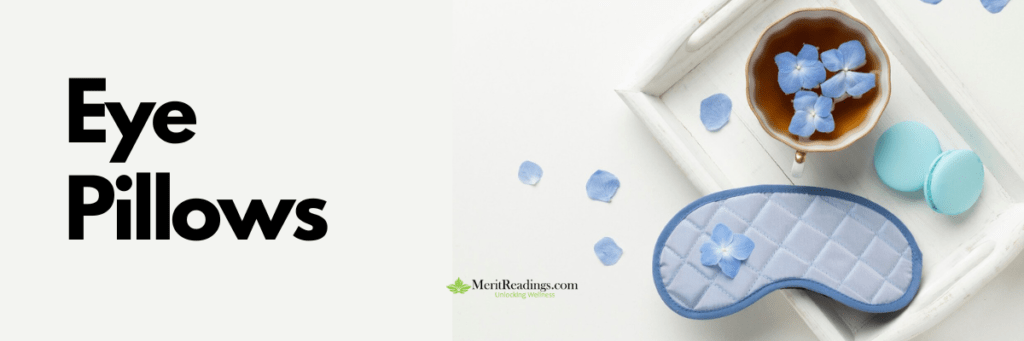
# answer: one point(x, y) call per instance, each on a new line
point(831, 242)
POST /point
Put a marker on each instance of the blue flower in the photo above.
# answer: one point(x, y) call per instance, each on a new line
point(726, 250)
point(849, 56)
point(800, 71)
point(813, 113)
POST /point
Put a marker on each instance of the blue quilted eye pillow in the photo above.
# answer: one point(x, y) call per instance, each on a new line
point(725, 251)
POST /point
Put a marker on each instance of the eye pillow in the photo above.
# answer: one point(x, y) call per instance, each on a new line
point(725, 251)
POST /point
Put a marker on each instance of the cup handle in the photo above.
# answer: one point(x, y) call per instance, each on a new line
point(798, 164)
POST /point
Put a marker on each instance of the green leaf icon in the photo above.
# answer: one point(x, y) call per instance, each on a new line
point(458, 287)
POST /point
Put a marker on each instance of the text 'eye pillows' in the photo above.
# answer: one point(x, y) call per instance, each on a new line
point(835, 243)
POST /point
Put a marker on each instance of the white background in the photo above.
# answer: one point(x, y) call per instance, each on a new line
point(347, 102)
point(534, 81)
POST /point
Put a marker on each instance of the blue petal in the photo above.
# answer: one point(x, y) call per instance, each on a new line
point(710, 254)
point(933, 1)
point(789, 81)
point(835, 86)
point(994, 6)
point(823, 107)
point(607, 251)
point(742, 246)
point(812, 73)
point(786, 61)
point(853, 54)
point(808, 53)
point(801, 124)
point(722, 235)
point(730, 266)
point(530, 173)
point(602, 186)
point(824, 124)
point(858, 83)
point(832, 59)
point(804, 100)
point(715, 111)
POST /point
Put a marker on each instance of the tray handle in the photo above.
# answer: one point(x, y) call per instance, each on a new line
point(713, 20)
point(683, 49)
point(974, 265)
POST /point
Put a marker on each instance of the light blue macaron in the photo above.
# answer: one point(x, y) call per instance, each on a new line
point(904, 154)
point(954, 182)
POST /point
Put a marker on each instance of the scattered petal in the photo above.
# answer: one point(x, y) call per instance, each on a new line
point(858, 83)
point(607, 251)
point(730, 266)
point(530, 173)
point(742, 247)
point(715, 111)
point(602, 186)
point(721, 235)
point(994, 6)
point(854, 55)
point(931, 1)
point(710, 254)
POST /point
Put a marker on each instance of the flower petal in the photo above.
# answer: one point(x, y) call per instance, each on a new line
point(804, 100)
point(835, 86)
point(832, 60)
point(602, 186)
point(994, 6)
point(808, 53)
point(607, 251)
point(710, 254)
point(858, 83)
point(853, 54)
point(714, 111)
point(789, 81)
point(812, 73)
point(785, 61)
point(824, 124)
point(530, 173)
point(801, 124)
point(742, 246)
point(722, 235)
point(823, 107)
point(730, 266)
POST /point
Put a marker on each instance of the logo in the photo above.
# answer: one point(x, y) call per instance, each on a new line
point(458, 287)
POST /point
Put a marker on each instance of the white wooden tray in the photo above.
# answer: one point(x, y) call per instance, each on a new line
point(707, 55)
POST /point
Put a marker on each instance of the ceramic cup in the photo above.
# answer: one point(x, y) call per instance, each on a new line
point(825, 29)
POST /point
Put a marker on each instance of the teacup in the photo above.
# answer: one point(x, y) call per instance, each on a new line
point(825, 29)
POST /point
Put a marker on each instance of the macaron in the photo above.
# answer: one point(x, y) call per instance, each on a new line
point(954, 182)
point(904, 154)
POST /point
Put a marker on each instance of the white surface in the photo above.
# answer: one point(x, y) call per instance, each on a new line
point(547, 74)
point(293, 100)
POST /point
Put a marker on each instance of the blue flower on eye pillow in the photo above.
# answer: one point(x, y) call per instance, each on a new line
point(800, 71)
point(813, 113)
point(726, 249)
point(849, 56)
